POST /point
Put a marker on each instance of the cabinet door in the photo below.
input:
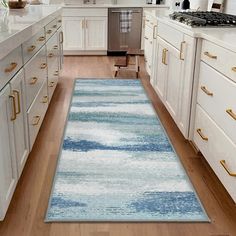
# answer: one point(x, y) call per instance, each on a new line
point(8, 173)
point(20, 123)
point(74, 33)
point(96, 33)
point(173, 81)
point(161, 70)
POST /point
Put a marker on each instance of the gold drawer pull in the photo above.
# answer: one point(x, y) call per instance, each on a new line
point(234, 69)
point(18, 101)
point(181, 56)
point(55, 47)
point(42, 38)
point(31, 48)
point(36, 120)
point(54, 26)
point(50, 55)
point(164, 56)
point(56, 73)
point(51, 85)
point(61, 37)
point(45, 99)
point(59, 21)
point(206, 91)
point(147, 20)
point(223, 163)
point(33, 81)
point(43, 66)
point(210, 55)
point(199, 131)
point(12, 66)
point(146, 38)
point(13, 117)
point(231, 113)
point(49, 31)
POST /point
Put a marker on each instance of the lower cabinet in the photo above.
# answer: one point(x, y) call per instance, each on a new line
point(13, 139)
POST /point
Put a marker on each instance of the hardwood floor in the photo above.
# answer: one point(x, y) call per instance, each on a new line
point(26, 213)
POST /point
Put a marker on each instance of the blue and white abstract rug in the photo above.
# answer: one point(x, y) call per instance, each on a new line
point(117, 163)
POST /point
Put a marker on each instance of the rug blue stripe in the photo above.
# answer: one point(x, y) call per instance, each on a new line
point(117, 163)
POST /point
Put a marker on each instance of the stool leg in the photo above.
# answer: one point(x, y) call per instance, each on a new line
point(137, 66)
point(116, 71)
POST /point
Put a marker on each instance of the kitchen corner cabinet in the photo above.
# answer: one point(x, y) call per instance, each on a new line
point(85, 31)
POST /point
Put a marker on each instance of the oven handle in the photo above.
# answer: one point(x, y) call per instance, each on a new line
point(121, 11)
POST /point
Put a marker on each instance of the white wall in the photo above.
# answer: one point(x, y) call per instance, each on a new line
point(230, 7)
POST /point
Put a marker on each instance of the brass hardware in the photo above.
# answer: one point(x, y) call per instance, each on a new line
point(42, 38)
point(164, 56)
point(18, 101)
point(33, 80)
point(49, 31)
point(12, 66)
point(231, 113)
point(62, 37)
point(56, 73)
point(13, 117)
point(154, 31)
point(55, 47)
point(147, 20)
point(31, 48)
point(43, 66)
point(223, 163)
point(181, 51)
point(45, 99)
point(199, 131)
point(210, 55)
point(54, 26)
point(50, 55)
point(206, 91)
point(146, 38)
point(234, 69)
point(51, 85)
point(36, 120)
point(59, 21)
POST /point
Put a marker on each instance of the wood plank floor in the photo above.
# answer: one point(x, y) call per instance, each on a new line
point(26, 213)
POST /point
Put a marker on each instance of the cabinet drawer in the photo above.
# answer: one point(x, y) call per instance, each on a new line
point(36, 113)
point(85, 12)
point(216, 147)
point(171, 35)
point(219, 58)
point(51, 28)
point(59, 21)
point(217, 96)
point(34, 78)
point(150, 21)
point(31, 46)
point(9, 65)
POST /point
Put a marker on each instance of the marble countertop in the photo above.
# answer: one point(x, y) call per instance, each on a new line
point(224, 37)
point(17, 26)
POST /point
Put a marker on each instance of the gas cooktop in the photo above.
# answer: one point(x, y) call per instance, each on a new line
point(205, 19)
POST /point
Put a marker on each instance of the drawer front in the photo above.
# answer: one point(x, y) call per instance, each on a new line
point(51, 28)
point(34, 78)
point(219, 58)
point(150, 21)
point(171, 35)
point(9, 65)
point(36, 113)
point(85, 12)
point(59, 22)
point(218, 149)
point(31, 46)
point(217, 95)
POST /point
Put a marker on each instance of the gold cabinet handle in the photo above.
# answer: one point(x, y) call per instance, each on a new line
point(50, 55)
point(231, 113)
point(51, 85)
point(234, 69)
point(49, 31)
point(59, 21)
point(13, 116)
point(61, 37)
point(33, 81)
point(147, 20)
point(199, 131)
point(82, 22)
point(56, 73)
point(12, 67)
point(154, 32)
point(43, 66)
point(223, 163)
point(181, 54)
point(206, 91)
point(17, 92)
point(146, 38)
point(45, 99)
point(210, 55)
point(54, 26)
point(31, 48)
point(164, 56)
point(42, 38)
point(36, 120)
point(55, 47)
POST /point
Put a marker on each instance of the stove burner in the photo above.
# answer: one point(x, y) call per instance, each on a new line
point(205, 19)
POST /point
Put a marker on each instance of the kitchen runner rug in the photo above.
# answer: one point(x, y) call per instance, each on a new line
point(116, 161)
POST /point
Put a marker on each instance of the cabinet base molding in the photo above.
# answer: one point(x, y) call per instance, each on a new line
point(83, 52)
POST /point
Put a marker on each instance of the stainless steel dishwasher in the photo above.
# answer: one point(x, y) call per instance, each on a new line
point(118, 41)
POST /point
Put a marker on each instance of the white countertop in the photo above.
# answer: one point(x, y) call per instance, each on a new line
point(224, 37)
point(17, 26)
point(114, 5)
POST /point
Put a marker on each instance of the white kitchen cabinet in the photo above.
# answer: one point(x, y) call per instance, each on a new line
point(8, 171)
